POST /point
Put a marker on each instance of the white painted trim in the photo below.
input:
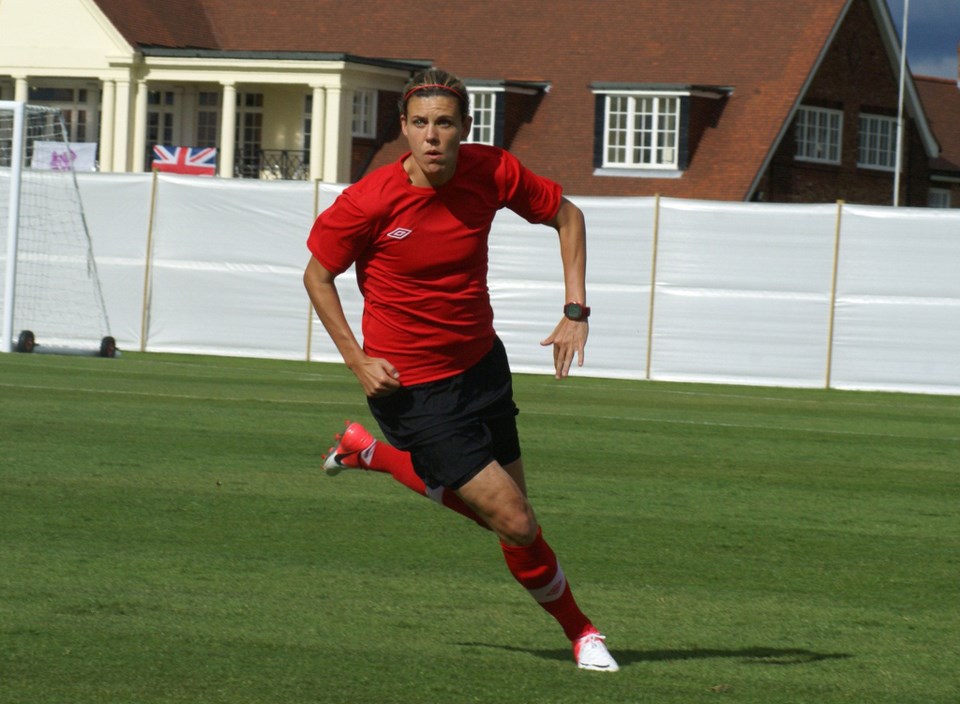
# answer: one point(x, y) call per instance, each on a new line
point(111, 32)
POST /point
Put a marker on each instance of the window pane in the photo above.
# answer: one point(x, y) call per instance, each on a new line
point(80, 128)
point(819, 134)
point(483, 109)
point(153, 128)
point(307, 123)
point(667, 130)
point(938, 198)
point(877, 147)
point(617, 117)
point(364, 113)
point(642, 130)
point(82, 123)
point(207, 124)
point(41, 94)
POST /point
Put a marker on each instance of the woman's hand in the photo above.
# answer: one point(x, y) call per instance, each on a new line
point(568, 339)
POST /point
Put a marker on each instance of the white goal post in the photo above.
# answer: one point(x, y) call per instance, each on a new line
point(52, 299)
point(13, 218)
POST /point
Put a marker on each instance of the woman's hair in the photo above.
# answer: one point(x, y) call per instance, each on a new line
point(434, 82)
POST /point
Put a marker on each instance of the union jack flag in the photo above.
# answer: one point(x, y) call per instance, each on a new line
point(199, 161)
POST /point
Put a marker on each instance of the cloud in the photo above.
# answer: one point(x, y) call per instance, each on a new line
point(933, 35)
point(939, 66)
point(926, 11)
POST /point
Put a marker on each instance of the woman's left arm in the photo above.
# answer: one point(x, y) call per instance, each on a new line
point(569, 337)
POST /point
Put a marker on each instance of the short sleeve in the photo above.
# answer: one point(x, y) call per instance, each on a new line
point(340, 234)
point(532, 197)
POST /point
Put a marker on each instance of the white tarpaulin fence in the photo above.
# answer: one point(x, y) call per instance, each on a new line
point(836, 296)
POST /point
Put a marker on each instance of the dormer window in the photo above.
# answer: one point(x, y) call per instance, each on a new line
point(644, 131)
point(499, 107)
point(641, 131)
point(484, 104)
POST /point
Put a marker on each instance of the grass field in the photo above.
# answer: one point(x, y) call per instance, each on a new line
point(167, 536)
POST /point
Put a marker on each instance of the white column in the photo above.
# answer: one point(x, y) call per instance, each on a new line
point(228, 130)
point(346, 136)
point(107, 108)
point(140, 129)
point(317, 134)
point(21, 89)
point(331, 135)
point(121, 136)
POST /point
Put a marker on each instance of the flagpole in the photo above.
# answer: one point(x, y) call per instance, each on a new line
point(903, 77)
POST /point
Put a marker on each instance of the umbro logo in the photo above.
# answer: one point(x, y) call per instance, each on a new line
point(399, 233)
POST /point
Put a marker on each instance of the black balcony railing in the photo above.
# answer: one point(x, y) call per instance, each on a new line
point(267, 164)
point(272, 164)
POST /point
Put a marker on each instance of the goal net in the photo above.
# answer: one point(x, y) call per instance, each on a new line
point(52, 299)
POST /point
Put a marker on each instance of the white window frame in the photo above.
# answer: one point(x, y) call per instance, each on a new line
point(307, 122)
point(483, 110)
point(210, 112)
point(80, 116)
point(248, 132)
point(364, 122)
point(938, 198)
point(163, 108)
point(877, 147)
point(655, 144)
point(819, 135)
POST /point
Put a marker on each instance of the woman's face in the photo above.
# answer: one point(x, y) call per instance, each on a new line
point(434, 129)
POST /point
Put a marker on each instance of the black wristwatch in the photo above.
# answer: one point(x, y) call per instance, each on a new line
point(576, 311)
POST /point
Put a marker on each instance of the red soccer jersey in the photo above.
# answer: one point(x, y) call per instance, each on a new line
point(421, 256)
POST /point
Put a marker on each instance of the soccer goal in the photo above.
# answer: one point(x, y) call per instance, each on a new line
point(52, 299)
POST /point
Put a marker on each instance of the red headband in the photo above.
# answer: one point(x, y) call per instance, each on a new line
point(434, 85)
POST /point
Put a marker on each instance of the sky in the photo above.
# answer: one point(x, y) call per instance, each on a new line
point(933, 32)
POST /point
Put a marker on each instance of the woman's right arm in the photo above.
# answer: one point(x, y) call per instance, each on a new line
point(377, 376)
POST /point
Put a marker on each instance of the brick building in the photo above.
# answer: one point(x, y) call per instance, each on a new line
point(941, 100)
point(733, 100)
point(856, 86)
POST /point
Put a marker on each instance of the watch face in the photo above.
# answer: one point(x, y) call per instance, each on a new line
point(574, 311)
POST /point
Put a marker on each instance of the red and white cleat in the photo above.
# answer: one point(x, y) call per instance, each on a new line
point(591, 653)
point(346, 453)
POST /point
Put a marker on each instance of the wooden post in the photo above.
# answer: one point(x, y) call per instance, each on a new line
point(148, 268)
point(653, 282)
point(833, 293)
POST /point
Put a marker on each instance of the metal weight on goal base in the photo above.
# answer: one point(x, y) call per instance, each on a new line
point(27, 343)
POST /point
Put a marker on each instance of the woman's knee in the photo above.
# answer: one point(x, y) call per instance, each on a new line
point(517, 526)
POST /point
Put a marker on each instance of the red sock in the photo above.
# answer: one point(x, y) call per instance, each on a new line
point(535, 566)
point(397, 463)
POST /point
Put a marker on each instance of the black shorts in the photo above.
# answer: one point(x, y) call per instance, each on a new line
point(454, 427)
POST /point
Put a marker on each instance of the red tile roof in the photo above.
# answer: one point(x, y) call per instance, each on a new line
point(168, 23)
point(764, 49)
point(941, 102)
